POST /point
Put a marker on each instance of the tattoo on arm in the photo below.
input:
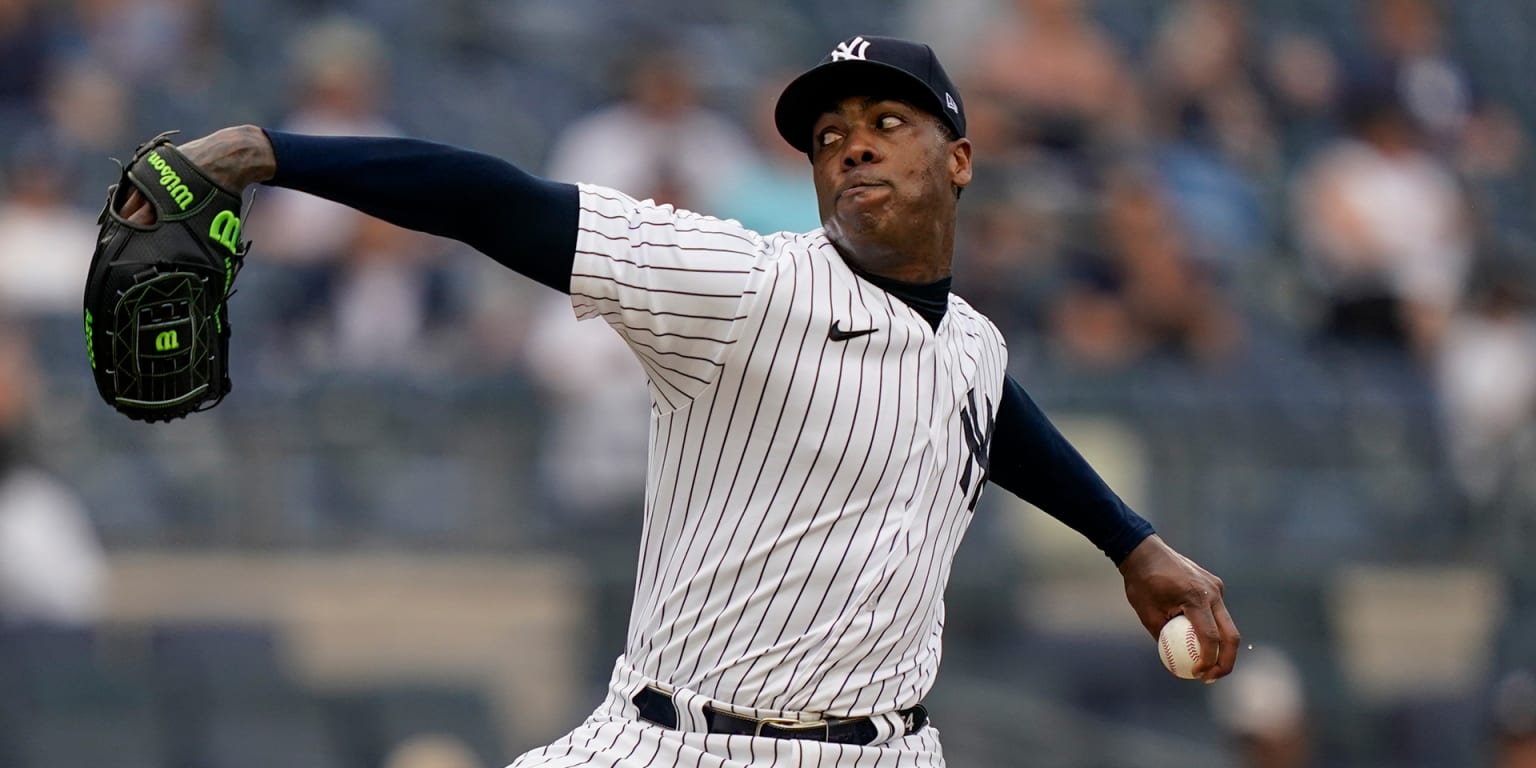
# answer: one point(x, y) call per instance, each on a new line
point(235, 157)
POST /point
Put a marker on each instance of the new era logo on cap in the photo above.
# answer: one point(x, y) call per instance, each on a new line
point(884, 67)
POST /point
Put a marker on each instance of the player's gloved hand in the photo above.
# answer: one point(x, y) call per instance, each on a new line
point(234, 158)
point(1160, 583)
point(156, 295)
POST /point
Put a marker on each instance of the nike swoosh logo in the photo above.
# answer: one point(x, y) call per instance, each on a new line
point(838, 334)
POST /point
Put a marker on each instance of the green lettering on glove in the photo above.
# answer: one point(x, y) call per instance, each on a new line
point(171, 180)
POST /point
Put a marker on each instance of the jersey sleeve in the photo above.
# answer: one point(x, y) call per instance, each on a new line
point(674, 284)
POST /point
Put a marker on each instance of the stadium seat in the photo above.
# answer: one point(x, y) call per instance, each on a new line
point(203, 665)
point(74, 696)
point(293, 735)
point(125, 738)
point(71, 670)
point(1430, 731)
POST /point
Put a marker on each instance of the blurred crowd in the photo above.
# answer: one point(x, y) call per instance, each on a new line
point(1230, 195)
point(1229, 186)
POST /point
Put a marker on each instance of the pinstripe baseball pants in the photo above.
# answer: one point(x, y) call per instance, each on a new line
point(615, 737)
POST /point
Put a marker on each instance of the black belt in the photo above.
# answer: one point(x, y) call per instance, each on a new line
point(656, 707)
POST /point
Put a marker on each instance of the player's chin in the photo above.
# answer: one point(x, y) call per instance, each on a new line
point(864, 201)
point(863, 221)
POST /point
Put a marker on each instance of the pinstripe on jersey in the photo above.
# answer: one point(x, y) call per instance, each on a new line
point(805, 496)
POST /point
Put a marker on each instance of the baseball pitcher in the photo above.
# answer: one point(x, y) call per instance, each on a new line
point(825, 413)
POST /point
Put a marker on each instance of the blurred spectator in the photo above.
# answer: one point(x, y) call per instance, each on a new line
point(150, 42)
point(89, 110)
point(1409, 54)
point(51, 566)
point(1412, 56)
point(1263, 706)
point(659, 142)
point(336, 288)
point(339, 74)
point(23, 60)
point(1212, 128)
point(772, 191)
point(1142, 293)
point(1091, 327)
point(1203, 84)
point(1172, 297)
point(952, 27)
point(1008, 256)
point(1493, 161)
point(592, 465)
point(1302, 82)
point(1514, 720)
point(1383, 225)
point(388, 305)
point(592, 462)
point(1047, 77)
point(1487, 379)
point(45, 242)
point(431, 751)
point(501, 305)
point(340, 77)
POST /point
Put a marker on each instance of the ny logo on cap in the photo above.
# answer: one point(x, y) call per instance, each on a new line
point(949, 101)
point(853, 49)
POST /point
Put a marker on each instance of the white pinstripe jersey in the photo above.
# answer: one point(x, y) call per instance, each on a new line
point(805, 495)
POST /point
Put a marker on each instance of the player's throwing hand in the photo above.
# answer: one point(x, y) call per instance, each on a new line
point(1161, 583)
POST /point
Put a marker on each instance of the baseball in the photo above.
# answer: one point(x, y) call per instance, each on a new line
point(1178, 647)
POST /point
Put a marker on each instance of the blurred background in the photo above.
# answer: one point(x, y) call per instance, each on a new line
point(1269, 263)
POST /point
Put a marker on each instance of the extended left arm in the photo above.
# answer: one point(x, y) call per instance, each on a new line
point(1032, 459)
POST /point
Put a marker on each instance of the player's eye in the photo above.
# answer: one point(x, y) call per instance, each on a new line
point(887, 122)
point(828, 137)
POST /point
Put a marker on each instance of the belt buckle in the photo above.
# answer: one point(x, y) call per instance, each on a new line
point(794, 726)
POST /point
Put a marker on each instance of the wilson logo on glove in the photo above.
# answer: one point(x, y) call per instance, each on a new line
point(225, 230)
point(171, 181)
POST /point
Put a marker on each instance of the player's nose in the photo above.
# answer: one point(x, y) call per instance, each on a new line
point(859, 150)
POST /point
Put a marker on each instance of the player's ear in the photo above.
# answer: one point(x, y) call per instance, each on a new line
point(960, 162)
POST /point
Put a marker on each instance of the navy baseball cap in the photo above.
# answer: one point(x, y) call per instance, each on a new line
point(874, 66)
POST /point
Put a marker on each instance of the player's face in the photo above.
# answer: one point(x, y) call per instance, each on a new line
point(883, 167)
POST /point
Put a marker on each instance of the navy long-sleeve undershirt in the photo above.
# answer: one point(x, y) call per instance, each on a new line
point(528, 224)
point(1031, 459)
